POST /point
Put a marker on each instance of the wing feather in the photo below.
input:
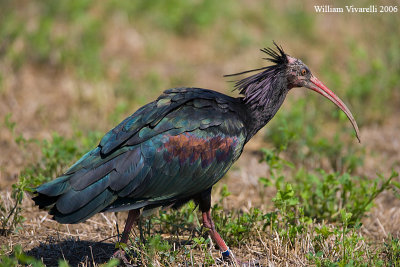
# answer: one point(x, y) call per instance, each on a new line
point(175, 147)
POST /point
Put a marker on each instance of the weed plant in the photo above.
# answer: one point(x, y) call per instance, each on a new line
point(325, 206)
point(320, 200)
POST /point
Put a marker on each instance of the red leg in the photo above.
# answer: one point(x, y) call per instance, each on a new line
point(208, 223)
point(204, 201)
point(133, 215)
point(225, 251)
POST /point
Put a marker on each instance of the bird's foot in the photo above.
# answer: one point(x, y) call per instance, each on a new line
point(121, 255)
point(229, 257)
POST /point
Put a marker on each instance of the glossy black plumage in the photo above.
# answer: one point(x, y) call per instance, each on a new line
point(176, 148)
point(168, 151)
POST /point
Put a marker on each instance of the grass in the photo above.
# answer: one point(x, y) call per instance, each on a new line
point(69, 71)
point(325, 208)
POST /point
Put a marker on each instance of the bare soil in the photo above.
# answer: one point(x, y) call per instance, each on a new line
point(43, 100)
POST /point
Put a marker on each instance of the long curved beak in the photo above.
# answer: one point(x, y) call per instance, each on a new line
point(317, 86)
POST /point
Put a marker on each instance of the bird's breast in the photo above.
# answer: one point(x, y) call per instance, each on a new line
point(190, 147)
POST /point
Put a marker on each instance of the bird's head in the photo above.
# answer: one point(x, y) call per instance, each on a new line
point(287, 72)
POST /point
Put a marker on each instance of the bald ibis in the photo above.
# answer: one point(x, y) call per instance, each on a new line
point(176, 148)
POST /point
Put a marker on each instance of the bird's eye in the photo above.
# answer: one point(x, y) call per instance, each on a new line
point(303, 72)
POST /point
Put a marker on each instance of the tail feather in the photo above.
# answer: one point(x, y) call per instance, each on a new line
point(74, 199)
point(44, 201)
point(56, 187)
point(72, 206)
point(94, 183)
point(96, 205)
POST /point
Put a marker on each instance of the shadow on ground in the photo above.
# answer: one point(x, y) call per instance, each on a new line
point(74, 251)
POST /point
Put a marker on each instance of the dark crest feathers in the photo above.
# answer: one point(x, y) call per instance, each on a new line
point(279, 58)
point(255, 88)
point(276, 58)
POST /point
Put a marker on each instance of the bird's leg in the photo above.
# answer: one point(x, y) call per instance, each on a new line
point(204, 201)
point(208, 223)
point(133, 216)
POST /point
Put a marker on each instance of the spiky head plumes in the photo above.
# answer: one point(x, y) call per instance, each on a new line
point(257, 89)
point(265, 91)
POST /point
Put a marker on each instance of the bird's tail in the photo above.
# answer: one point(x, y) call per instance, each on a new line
point(49, 194)
point(69, 204)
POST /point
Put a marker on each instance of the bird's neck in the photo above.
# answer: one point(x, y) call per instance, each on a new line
point(259, 114)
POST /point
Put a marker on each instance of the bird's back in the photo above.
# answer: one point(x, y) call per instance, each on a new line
point(168, 151)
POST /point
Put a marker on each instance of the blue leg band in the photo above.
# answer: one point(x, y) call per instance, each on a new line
point(226, 253)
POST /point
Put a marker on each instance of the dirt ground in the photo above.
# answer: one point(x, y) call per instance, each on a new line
point(92, 242)
point(43, 99)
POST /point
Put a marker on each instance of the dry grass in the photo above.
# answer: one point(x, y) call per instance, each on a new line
point(92, 243)
point(45, 99)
